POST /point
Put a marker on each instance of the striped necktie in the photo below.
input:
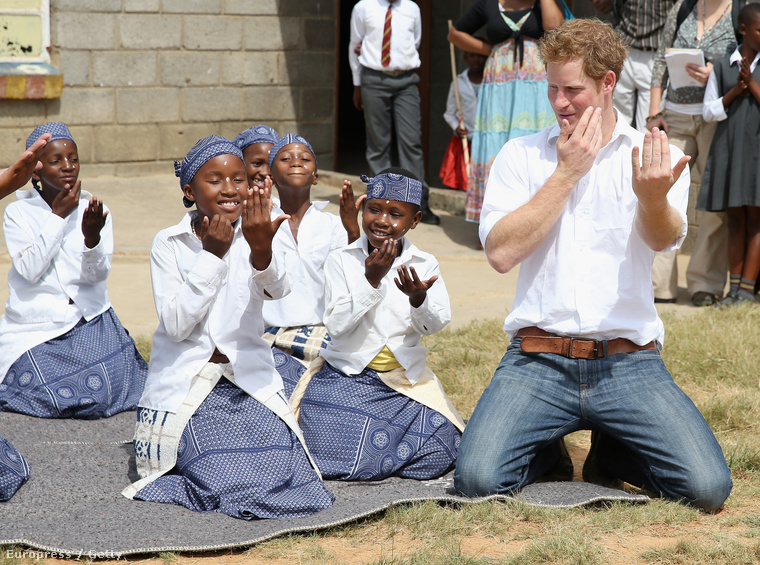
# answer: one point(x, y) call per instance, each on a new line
point(385, 58)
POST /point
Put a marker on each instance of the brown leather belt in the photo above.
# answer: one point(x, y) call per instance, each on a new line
point(536, 340)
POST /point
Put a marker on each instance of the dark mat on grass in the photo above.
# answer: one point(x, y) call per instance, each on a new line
point(72, 502)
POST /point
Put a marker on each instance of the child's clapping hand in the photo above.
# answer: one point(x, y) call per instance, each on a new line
point(93, 220)
point(258, 227)
point(67, 200)
point(216, 235)
point(379, 262)
point(745, 74)
point(410, 284)
point(349, 208)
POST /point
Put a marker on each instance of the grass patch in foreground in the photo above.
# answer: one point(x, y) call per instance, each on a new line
point(721, 552)
point(713, 356)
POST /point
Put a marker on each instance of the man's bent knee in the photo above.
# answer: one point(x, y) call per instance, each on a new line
point(710, 493)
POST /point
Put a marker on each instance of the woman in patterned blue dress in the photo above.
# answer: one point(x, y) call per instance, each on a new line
point(63, 351)
point(214, 430)
point(370, 407)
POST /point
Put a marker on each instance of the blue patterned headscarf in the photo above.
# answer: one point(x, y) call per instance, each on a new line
point(204, 150)
point(287, 139)
point(394, 186)
point(57, 129)
point(257, 134)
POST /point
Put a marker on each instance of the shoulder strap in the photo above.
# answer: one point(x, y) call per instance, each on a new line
point(683, 12)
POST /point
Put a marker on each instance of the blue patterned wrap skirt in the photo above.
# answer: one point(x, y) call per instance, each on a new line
point(92, 371)
point(237, 457)
point(14, 470)
point(358, 428)
point(290, 369)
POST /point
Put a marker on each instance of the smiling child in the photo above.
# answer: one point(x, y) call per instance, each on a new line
point(256, 142)
point(63, 351)
point(369, 406)
point(214, 430)
point(294, 323)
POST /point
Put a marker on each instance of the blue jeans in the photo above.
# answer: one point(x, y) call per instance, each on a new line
point(657, 439)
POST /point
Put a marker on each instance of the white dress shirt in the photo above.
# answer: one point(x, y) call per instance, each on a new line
point(712, 107)
point(592, 275)
point(318, 234)
point(367, 24)
point(203, 303)
point(468, 99)
point(55, 280)
point(361, 319)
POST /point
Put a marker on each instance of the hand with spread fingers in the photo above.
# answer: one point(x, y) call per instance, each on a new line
point(410, 284)
point(653, 178)
point(349, 209)
point(379, 262)
point(258, 227)
point(658, 223)
point(93, 220)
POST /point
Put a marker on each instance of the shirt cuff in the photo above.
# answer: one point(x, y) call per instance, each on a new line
point(209, 269)
point(366, 294)
point(426, 316)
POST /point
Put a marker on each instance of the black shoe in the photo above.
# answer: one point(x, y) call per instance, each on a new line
point(429, 218)
point(591, 471)
point(562, 471)
point(664, 300)
point(702, 299)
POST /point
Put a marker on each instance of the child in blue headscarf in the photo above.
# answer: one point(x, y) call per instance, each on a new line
point(294, 323)
point(214, 431)
point(256, 143)
point(63, 351)
point(369, 405)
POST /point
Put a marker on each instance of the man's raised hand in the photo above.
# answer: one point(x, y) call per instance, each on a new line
point(653, 177)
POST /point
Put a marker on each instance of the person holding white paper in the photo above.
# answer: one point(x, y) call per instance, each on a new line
point(709, 27)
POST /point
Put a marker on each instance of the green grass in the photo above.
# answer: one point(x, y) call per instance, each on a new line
point(712, 354)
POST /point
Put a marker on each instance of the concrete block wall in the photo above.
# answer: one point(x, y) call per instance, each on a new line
point(145, 79)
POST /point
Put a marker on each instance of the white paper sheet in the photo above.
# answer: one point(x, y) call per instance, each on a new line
point(677, 59)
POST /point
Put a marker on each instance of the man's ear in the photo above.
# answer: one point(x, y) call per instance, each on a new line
point(608, 82)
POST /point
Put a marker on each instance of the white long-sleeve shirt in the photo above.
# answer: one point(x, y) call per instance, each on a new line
point(55, 280)
point(319, 233)
point(712, 106)
point(592, 274)
point(361, 319)
point(367, 24)
point(204, 303)
point(468, 99)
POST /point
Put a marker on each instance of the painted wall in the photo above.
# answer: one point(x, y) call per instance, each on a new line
point(144, 79)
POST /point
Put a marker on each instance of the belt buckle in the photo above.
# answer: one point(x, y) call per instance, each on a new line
point(595, 350)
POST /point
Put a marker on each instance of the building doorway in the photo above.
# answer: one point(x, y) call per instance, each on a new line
point(350, 143)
